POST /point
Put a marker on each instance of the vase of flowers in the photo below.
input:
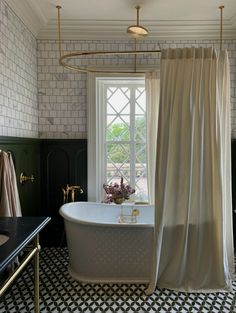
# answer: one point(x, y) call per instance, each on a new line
point(118, 193)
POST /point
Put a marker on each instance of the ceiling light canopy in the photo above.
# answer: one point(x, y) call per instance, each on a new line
point(137, 31)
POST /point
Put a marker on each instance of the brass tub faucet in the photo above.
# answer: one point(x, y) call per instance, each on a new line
point(69, 193)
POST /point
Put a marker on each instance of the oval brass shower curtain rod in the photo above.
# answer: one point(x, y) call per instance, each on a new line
point(136, 31)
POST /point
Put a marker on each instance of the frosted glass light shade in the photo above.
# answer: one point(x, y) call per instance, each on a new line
point(137, 31)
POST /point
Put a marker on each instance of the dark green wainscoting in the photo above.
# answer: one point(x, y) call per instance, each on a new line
point(54, 164)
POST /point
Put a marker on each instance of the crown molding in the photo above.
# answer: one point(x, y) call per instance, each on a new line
point(108, 30)
point(29, 14)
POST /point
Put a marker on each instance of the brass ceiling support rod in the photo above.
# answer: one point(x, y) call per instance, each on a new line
point(221, 25)
point(135, 56)
point(59, 28)
point(64, 57)
point(137, 8)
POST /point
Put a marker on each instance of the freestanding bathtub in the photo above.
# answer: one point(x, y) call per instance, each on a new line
point(101, 250)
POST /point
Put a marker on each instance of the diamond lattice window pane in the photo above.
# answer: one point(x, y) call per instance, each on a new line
point(141, 193)
point(110, 91)
point(118, 109)
point(116, 178)
point(140, 153)
point(140, 99)
point(118, 161)
point(118, 128)
point(140, 128)
point(141, 184)
point(118, 153)
point(115, 174)
point(111, 172)
point(126, 109)
point(119, 99)
point(141, 172)
point(110, 109)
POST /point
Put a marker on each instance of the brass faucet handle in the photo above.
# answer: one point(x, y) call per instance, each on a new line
point(135, 212)
point(69, 192)
point(77, 188)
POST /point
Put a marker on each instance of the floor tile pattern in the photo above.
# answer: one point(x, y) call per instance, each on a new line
point(60, 293)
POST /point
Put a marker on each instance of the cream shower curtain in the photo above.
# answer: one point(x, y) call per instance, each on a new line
point(152, 84)
point(193, 220)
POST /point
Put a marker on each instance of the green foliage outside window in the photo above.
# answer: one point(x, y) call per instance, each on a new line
point(119, 152)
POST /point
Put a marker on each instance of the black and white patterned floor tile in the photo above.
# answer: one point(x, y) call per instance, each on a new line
point(60, 293)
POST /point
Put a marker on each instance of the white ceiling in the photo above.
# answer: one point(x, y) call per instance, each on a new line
point(106, 19)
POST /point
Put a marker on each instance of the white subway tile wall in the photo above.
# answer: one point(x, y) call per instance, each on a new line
point(62, 93)
point(18, 77)
point(40, 98)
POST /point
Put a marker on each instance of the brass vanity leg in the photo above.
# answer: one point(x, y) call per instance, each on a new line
point(36, 275)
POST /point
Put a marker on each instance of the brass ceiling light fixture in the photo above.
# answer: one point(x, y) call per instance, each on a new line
point(137, 31)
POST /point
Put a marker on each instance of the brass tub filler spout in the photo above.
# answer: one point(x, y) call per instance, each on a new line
point(69, 193)
point(128, 218)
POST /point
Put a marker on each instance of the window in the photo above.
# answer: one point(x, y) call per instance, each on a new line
point(119, 122)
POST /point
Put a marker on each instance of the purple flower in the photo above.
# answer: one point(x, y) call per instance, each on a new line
point(114, 190)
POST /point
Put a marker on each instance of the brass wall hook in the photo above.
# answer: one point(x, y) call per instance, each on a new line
point(24, 178)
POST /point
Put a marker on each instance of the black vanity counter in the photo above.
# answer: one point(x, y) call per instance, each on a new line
point(21, 231)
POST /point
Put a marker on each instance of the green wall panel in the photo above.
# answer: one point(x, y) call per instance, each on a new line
point(62, 162)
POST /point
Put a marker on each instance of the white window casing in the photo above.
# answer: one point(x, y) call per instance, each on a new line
point(96, 133)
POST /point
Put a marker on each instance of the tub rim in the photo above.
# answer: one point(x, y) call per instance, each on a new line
point(113, 224)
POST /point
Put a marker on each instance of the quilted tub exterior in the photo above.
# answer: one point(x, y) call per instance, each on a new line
point(101, 249)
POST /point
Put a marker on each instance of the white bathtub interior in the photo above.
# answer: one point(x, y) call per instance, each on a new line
point(101, 213)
